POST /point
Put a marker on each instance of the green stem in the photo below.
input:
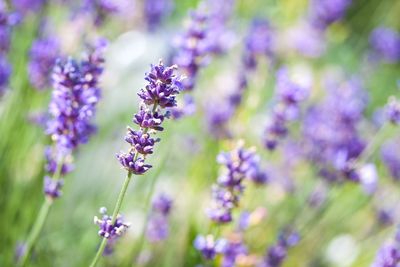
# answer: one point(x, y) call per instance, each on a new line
point(37, 228)
point(114, 218)
point(40, 220)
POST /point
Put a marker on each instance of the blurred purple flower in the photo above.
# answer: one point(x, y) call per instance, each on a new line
point(25, 6)
point(43, 56)
point(100, 9)
point(385, 43)
point(259, 42)
point(390, 156)
point(52, 187)
point(277, 253)
point(155, 12)
point(331, 134)
point(192, 48)
point(289, 96)
point(392, 110)
point(162, 204)
point(239, 164)
point(209, 247)
point(389, 254)
point(5, 72)
point(158, 225)
point(233, 249)
point(326, 12)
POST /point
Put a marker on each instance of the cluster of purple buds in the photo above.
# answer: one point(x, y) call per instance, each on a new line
point(326, 12)
point(393, 110)
point(389, 254)
point(155, 11)
point(7, 21)
point(108, 229)
point(277, 253)
point(289, 96)
point(208, 246)
point(159, 94)
point(100, 9)
point(43, 55)
point(72, 109)
point(331, 133)
point(239, 164)
point(385, 44)
point(158, 227)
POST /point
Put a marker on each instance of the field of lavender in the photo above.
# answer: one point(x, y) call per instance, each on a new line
point(172, 133)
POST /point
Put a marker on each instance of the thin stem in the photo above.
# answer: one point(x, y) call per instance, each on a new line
point(40, 220)
point(114, 218)
point(36, 229)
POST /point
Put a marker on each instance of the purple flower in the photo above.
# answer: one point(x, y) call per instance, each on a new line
point(385, 43)
point(162, 88)
point(43, 56)
point(26, 6)
point(277, 253)
point(100, 9)
point(389, 254)
point(231, 251)
point(142, 142)
point(145, 118)
point(259, 42)
point(192, 48)
point(220, 38)
point(391, 158)
point(132, 163)
point(71, 110)
point(52, 187)
point(326, 12)
point(162, 204)
point(239, 164)
point(155, 11)
point(331, 132)
point(289, 96)
point(385, 217)
point(5, 72)
point(108, 229)
point(158, 226)
point(209, 247)
point(7, 20)
point(52, 159)
point(393, 110)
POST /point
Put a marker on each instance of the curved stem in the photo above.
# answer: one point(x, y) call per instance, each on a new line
point(117, 208)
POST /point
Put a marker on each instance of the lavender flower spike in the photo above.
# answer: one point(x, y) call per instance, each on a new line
point(239, 164)
point(158, 228)
point(43, 56)
point(71, 109)
point(159, 93)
